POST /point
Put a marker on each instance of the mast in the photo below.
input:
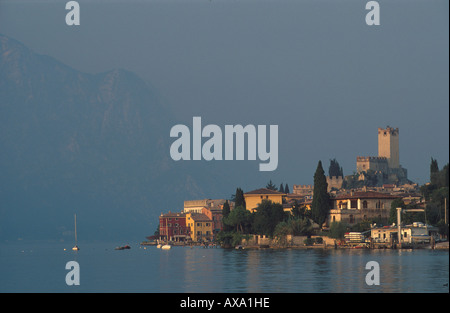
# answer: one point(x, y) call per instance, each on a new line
point(76, 229)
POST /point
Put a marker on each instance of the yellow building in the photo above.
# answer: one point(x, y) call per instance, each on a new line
point(200, 225)
point(253, 198)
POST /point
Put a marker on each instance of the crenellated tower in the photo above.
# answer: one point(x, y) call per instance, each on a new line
point(388, 146)
point(387, 164)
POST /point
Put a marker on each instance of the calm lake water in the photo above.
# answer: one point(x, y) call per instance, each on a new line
point(40, 267)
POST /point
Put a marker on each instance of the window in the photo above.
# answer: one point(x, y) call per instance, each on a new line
point(353, 204)
point(364, 204)
point(351, 218)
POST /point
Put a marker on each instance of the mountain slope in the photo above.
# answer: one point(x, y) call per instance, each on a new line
point(95, 145)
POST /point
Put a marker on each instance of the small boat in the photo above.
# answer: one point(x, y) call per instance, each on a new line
point(75, 248)
point(158, 246)
point(123, 247)
point(166, 247)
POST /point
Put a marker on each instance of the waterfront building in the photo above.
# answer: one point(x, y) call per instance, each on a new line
point(215, 215)
point(414, 233)
point(200, 227)
point(355, 207)
point(172, 227)
point(255, 197)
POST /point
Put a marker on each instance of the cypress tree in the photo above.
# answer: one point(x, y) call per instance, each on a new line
point(226, 209)
point(434, 171)
point(239, 200)
point(286, 189)
point(335, 169)
point(225, 213)
point(281, 188)
point(321, 199)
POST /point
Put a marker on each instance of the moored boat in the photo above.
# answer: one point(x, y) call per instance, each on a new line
point(123, 247)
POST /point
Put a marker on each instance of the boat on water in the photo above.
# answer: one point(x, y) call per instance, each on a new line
point(166, 247)
point(75, 248)
point(123, 247)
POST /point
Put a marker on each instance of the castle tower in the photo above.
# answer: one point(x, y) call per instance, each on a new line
point(388, 146)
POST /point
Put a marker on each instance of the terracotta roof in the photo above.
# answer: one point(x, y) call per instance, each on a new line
point(366, 195)
point(200, 217)
point(264, 191)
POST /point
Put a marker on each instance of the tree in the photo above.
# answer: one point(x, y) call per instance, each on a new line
point(281, 189)
point(271, 186)
point(267, 216)
point(295, 227)
point(225, 213)
point(443, 228)
point(299, 211)
point(226, 209)
point(437, 192)
point(337, 230)
point(156, 233)
point(238, 219)
point(286, 189)
point(335, 169)
point(397, 203)
point(321, 199)
point(239, 199)
point(434, 171)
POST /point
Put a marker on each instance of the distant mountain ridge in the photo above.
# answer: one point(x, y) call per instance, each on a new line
point(91, 144)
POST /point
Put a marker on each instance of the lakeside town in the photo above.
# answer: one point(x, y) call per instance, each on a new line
point(368, 209)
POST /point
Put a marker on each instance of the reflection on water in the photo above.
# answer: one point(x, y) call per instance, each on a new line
point(41, 268)
point(314, 270)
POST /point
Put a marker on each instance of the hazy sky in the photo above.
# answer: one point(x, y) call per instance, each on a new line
point(312, 67)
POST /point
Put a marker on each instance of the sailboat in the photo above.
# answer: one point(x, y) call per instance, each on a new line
point(76, 246)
